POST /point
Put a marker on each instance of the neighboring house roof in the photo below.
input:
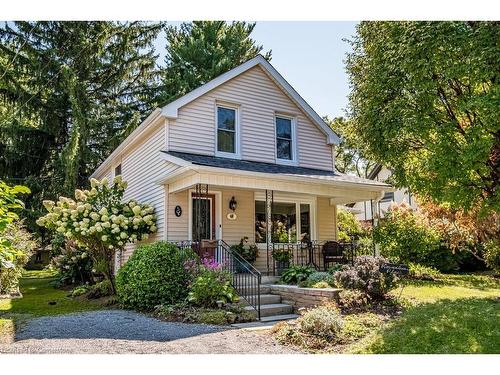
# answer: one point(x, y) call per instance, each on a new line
point(375, 171)
point(171, 109)
point(187, 159)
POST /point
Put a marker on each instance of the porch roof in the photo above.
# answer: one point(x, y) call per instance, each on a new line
point(223, 172)
point(276, 169)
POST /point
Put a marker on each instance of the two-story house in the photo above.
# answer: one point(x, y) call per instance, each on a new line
point(241, 156)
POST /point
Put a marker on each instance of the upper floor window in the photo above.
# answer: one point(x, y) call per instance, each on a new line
point(227, 131)
point(118, 170)
point(285, 139)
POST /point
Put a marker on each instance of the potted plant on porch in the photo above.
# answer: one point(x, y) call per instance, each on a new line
point(247, 252)
point(282, 258)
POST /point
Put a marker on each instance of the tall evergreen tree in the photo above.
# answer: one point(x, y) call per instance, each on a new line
point(69, 93)
point(201, 50)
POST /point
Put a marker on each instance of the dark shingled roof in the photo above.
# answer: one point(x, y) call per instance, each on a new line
point(252, 166)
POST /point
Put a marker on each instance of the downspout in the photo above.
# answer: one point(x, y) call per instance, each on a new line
point(375, 207)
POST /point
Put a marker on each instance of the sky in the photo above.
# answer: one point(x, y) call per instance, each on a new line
point(310, 56)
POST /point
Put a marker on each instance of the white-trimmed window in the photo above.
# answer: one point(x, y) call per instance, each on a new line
point(227, 134)
point(285, 139)
point(292, 222)
point(118, 170)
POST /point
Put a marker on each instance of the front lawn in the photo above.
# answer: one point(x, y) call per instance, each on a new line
point(457, 314)
point(39, 299)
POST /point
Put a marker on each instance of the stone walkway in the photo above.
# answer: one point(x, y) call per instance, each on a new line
point(119, 331)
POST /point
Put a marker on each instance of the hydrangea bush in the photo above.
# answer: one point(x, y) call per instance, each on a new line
point(99, 220)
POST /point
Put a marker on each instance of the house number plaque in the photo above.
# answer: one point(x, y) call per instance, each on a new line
point(178, 211)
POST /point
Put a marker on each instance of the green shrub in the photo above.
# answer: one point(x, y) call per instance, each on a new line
point(210, 287)
point(323, 321)
point(492, 255)
point(364, 245)
point(349, 227)
point(99, 290)
point(317, 277)
point(16, 246)
point(405, 236)
point(296, 274)
point(79, 291)
point(419, 272)
point(73, 264)
point(153, 275)
point(335, 268)
point(365, 275)
point(321, 285)
point(352, 299)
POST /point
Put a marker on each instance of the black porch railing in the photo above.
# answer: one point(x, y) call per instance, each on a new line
point(316, 254)
point(246, 279)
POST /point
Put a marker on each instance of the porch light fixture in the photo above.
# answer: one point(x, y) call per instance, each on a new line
point(233, 204)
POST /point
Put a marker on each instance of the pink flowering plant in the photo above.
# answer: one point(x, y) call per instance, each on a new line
point(99, 220)
point(211, 284)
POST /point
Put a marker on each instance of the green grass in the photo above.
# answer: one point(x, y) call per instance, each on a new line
point(37, 293)
point(457, 314)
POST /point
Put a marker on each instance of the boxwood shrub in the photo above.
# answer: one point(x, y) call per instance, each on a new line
point(153, 275)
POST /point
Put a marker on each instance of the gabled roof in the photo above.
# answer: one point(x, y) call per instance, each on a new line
point(185, 159)
point(171, 109)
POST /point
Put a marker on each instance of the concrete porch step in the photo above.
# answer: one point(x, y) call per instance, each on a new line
point(265, 299)
point(252, 290)
point(278, 318)
point(269, 279)
point(272, 309)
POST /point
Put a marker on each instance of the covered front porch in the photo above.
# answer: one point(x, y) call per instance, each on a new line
point(277, 212)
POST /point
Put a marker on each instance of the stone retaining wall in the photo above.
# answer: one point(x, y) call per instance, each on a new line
point(304, 297)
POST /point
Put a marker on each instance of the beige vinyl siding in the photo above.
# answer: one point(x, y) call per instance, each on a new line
point(107, 173)
point(177, 227)
point(259, 99)
point(243, 226)
point(327, 222)
point(142, 166)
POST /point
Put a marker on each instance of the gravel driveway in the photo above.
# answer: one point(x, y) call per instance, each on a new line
point(119, 331)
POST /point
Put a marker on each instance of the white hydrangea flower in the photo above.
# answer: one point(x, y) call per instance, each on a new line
point(94, 183)
point(104, 238)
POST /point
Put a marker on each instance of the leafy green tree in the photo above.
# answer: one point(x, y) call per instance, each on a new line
point(69, 94)
point(424, 102)
point(16, 244)
point(199, 51)
point(348, 154)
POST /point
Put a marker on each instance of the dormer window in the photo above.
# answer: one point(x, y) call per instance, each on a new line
point(285, 140)
point(227, 131)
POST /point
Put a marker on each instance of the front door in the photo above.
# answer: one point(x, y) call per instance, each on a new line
point(203, 214)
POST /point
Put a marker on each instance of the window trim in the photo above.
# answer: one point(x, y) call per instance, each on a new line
point(294, 148)
point(119, 165)
point(298, 200)
point(237, 149)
